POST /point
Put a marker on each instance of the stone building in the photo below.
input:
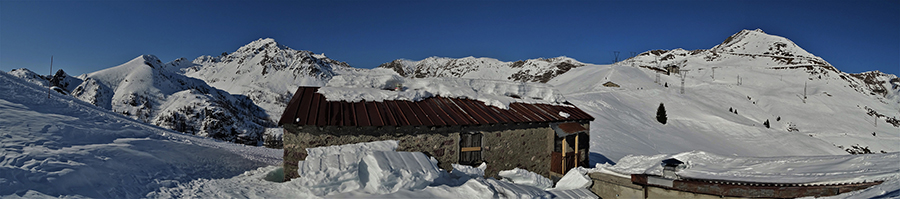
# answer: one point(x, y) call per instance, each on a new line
point(452, 130)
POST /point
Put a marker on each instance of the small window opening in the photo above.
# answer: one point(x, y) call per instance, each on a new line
point(470, 148)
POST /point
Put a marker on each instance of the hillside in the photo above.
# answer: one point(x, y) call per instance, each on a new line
point(61, 146)
point(143, 90)
point(728, 98)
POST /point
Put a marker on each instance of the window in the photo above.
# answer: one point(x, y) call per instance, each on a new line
point(470, 148)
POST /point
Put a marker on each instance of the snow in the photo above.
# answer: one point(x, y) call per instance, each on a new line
point(576, 178)
point(530, 70)
point(373, 167)
point(63, 147)
point(368, 170)
point(833, 118)
point(460, 171)
point(564, 114)
point(800, 169)
point(497, 93)
point(388, 172)
point(525, 177)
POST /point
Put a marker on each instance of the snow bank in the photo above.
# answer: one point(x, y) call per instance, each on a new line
point(807, 169)
point(393, 87)
point(336, 169)
point(525, 177)
point(468, 171)
point(367, 170)
point(512, 190)
point(389, 171)
point(576, 178)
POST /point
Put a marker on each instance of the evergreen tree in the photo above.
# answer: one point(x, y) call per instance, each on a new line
point(661, 114)
point(766, 123)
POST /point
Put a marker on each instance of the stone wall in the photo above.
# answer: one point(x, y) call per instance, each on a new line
point(527, 149)
point(505, 146)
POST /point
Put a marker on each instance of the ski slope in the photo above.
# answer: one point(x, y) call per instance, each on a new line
point(833, 117)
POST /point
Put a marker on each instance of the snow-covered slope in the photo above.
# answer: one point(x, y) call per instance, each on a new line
point(141, 89)
point(60, 79)
point(61, 146)
point(532, 70)
point(811, 107)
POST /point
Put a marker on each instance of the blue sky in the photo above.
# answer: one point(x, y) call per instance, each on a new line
point(86, 36)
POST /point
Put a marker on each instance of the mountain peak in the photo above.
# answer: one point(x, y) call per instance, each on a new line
point(757, 42)
point(261, 44)
point(149, 60)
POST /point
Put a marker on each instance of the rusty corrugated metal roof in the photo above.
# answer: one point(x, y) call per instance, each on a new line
point(310, 108)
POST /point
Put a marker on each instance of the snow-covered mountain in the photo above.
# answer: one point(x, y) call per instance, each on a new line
point(754, 49)
point(63, 147)
point(143, 90)
point(263, 70)
point(730, 92)
point(531, 70)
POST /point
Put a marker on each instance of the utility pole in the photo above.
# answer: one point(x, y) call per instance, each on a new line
point(683, 75)
point(804, 92)
point(657, 63)
point(617, 56)
point(49, 81)
point(714, 72)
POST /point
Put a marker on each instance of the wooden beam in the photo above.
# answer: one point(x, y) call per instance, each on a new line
point(467, 149)
point(565, 139)
point(577, 150)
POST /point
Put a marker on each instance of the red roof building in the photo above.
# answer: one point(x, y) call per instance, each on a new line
point(542, 138)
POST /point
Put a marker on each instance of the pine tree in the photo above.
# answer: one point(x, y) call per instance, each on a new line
point(661, 114)
point(766, 123)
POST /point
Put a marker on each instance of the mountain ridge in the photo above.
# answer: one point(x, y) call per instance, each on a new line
point(530, 70)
